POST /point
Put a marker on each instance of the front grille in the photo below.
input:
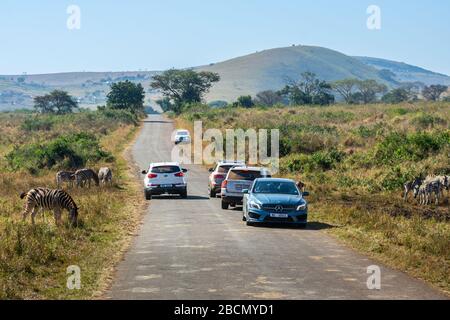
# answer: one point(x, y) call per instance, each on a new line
point(273, 208)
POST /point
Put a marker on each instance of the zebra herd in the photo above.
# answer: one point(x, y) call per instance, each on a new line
point(57, 200)
point(425, 189)
point(84, 177)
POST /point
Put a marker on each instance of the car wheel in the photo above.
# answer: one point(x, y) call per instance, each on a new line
point(303, 226)
point(225, 205)
point(184, 194)
point(148, 195)
point(212, 194)
point(249, 224)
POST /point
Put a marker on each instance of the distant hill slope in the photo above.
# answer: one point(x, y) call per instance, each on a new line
point(250, 74)
point(269, 69)
point(406, 72)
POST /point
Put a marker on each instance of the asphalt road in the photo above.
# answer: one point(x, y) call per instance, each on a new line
point(192, 249)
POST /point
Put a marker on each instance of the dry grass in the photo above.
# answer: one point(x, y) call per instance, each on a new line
point(34, 260)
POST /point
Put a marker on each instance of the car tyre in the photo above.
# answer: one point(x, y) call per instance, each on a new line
point(184, 194)
point(212, 194)
point(148, 195)
point(225, 205)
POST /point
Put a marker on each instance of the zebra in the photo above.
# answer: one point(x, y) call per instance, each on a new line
point(425, 191)
point(411, 186)
point(84, 176)
point(48, 199)
point(105, 176)
point(65, 176)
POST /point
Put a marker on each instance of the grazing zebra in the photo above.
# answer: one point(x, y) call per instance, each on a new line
point(85, 176)
point(48, 199)
point(411, 186)
point(65, 176)
point(105, 176)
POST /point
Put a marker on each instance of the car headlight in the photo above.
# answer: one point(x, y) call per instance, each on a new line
point(255, 205)
point(302, 207)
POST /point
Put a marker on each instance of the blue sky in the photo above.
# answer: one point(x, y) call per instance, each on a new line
point(156, 35)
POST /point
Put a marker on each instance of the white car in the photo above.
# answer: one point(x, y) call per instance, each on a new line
point(181, 136)
point(165, 178)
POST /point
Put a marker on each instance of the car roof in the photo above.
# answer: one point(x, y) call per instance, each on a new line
point(182, 130)
point(230, 162)
point(250, 168)
point(274, 180)
point(161, 164)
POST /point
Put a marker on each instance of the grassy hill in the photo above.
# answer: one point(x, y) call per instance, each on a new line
point(270, 69)
point(405, 72)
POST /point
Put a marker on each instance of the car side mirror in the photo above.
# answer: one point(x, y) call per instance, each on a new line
point(184, 170)
point(144, 172)
point(245, 191)
point(305, 194)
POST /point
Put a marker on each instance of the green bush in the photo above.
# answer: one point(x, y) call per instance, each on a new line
point(37, 124)
point(64, 152)
point(122, 116)
point(425, 120)
point(319, 161)
point(398, 147)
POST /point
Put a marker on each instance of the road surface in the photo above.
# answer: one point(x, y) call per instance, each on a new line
point(192, 249)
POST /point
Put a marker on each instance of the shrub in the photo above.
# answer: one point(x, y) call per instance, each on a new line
point(323, 160)
point(37, 124)
point(425, 120)
point(69, 151)
point(122, 116)
point(397, 147)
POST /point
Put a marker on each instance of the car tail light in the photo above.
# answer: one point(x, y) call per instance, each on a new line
point(219, 176)
point(152, 176)
point(224, 184)
point(179, 174)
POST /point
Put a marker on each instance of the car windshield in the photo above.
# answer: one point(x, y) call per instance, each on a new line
point(276, 187)
point(183, 133)
point(244, 175)
point(224, 169)
point(166, 169)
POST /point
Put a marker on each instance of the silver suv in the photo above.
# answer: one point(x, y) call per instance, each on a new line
point(238, 179)
point(218, 174)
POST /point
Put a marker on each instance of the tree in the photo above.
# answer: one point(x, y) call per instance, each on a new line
point(395, 96)
point(368, 90)
point(245, 102)
point(309, 90)
point(268, 98)
point(434, 92)
point(57, 102)
point(345, 88)
point(126, 95)
point(399, 95)
point(184, 87)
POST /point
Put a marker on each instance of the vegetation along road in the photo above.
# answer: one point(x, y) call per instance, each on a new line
point(191, 249)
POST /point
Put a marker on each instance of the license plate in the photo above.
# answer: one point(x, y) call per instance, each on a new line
point(279, 215)
point(166, 186)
